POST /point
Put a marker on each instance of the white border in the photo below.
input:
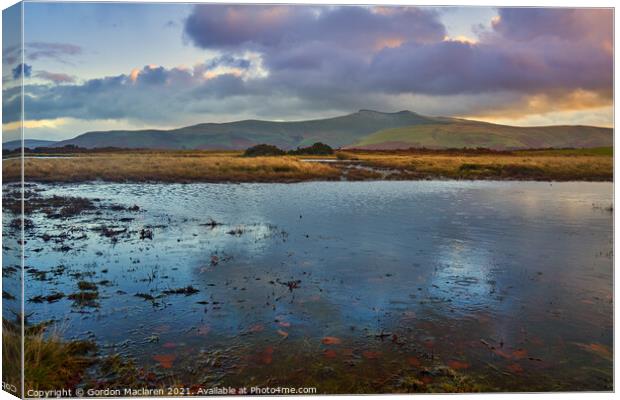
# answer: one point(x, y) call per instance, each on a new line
point(487, 3)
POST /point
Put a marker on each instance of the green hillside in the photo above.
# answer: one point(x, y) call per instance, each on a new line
point(363, 129)
point(337, 132)
point(463, 133)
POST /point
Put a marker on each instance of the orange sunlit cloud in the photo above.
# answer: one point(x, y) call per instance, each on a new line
point(536, 106)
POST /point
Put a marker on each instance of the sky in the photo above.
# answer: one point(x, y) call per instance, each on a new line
point(102, 66)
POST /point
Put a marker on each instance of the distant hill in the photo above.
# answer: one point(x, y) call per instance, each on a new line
point(364, 129)
point(30, 143)
point(465, 133)
point(337, 132)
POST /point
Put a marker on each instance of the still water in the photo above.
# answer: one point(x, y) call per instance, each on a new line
point(507, 284)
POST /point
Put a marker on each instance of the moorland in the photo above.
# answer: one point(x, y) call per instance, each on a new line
point(148, 165)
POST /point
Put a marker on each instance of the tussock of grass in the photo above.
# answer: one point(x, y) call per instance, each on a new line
point(84, 299)
point(83, 285)
point(11, 355)
point(50, 363)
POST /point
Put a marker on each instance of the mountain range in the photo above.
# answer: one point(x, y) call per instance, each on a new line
point(365, 129)
point(29, 143)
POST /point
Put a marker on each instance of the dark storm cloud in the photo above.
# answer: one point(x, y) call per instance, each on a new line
point(401, 50)
point(224, 26)
point(452, 67)
point(524, 24)
point(223, 86)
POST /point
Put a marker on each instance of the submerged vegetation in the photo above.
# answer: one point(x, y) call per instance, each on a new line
point(354, 165)
point(53, 364)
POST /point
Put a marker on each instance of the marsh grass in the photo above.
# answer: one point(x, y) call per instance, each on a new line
point(50, 362)
point(11, 355)
point(196, 166)
point(528, 166)
point(169, 168)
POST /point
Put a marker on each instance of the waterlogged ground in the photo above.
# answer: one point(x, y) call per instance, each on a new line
point(344, 286)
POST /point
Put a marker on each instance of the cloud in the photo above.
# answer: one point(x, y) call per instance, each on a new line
point(51, 50)
point(224, 26)
point(452, 67)
point(228, 61)
point(11, 54)
point(11, 104)
point(171, 24)
point(41, 50)
point(404, 50)
point(25, 68)
point(139, 95)
point(55, 77)
point(297, 61)
point(524, 24)
point(152, 75)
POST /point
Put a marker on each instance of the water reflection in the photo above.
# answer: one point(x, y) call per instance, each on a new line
point(480, 271)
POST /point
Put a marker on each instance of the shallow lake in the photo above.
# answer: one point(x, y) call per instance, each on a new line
point(349, 286)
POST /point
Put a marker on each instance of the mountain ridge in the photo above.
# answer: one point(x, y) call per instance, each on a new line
point(364, 129)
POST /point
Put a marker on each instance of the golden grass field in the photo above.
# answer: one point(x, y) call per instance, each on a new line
point(532, 165)
point(166, 167)
point(205, 166)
